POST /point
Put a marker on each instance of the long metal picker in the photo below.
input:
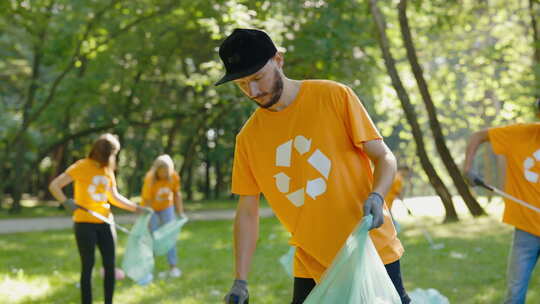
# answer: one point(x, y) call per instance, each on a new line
point(478, 181)
point(105, 219)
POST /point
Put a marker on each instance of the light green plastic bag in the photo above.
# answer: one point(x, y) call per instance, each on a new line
point(357, 274)
point(138, 263)
point(427, 296)
point(166, 235)
point(287, 260)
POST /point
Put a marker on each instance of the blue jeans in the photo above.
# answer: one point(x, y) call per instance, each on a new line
point(523, 257)
point(160, 218)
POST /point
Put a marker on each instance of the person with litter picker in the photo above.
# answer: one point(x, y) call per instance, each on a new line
point(308, 149)
point(520, 145)
point(161, 191)
point(95, 186)
point(396, 190)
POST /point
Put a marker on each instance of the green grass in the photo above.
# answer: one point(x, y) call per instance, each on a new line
point(32, 208)
point(469, 269)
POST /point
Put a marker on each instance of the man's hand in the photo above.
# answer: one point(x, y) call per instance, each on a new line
point(238, 293)
point(374, 206)
point(70, 205)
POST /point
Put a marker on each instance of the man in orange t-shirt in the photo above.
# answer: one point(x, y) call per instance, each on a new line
point(520, 145)
point(308, 149)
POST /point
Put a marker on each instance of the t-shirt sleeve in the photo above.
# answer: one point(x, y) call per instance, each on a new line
point(76, 170)
point(501, 138)
point(243, 181)
point(357, 121)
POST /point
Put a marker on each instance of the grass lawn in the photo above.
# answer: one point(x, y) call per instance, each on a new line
point(43, 267)
point(33, 208)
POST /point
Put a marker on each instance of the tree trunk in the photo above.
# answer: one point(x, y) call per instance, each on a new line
point(440, 144)
point(534, 10)
point(207, 168)
point(188, 185)
point(218, 188)
point(408, 108)
point(173, 132)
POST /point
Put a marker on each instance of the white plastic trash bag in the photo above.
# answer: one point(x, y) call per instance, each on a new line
point(287, 261)
point(357, 274)
point(427, 296)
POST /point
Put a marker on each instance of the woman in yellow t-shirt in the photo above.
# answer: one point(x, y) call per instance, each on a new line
point(95, 187)
point(161, 192)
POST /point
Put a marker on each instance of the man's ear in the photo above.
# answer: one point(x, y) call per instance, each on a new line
point(278, 59)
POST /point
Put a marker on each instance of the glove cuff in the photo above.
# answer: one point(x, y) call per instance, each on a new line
point(241, 283)
point(379, 197)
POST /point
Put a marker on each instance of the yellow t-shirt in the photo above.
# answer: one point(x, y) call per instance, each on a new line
point(161, 192)
point(309, 163)
point(394, 191)
point(520, 144)
point(93, 188)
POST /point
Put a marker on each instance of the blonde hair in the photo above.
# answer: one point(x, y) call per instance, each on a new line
point(162, 161)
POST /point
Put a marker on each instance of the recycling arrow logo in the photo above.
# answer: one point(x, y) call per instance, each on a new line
point(163, 194)
point(98, 188)
point(528, 164)
point(318, 160)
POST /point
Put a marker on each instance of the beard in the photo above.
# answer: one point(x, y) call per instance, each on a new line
point(275, 95)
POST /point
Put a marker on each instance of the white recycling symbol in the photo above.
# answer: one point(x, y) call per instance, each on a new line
point(97, 194)
point(528, 164)
point(163, 194)
point(317, 160)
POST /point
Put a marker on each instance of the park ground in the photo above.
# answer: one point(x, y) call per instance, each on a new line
point(43, 267)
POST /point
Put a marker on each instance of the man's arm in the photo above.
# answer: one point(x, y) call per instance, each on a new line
point(385, 170)
point(246, 233)
point(385, 165)
point(475, 141)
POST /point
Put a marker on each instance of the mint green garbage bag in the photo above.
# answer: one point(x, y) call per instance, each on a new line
point(287, 260)
point(165, 236)
point(357, 274)
point(138, 262)
point(427, 296)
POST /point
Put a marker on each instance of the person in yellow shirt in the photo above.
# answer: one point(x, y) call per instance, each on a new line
point(95, 187)
point(519, 144)
point(161, 192)
point(397, 190)
point(308, 148)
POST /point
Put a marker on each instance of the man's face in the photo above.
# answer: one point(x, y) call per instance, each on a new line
point(263, 87)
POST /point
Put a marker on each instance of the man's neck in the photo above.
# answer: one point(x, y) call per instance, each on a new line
point(290, 92)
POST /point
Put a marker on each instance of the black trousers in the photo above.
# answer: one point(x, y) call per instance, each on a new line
point(303, 286)
point(88, 235)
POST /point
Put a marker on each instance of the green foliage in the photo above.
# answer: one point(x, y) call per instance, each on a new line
point(145, 71)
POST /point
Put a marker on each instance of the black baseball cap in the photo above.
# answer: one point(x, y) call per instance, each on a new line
point(245, 52)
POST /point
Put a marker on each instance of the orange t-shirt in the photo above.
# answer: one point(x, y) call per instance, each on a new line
point(520, 144)
point(93, 188)
point(160, 192)
point(394, 191)
point(309, 163)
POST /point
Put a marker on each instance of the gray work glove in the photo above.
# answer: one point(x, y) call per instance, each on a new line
point(374, 206)
point(70, 205)
point(238, 293)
